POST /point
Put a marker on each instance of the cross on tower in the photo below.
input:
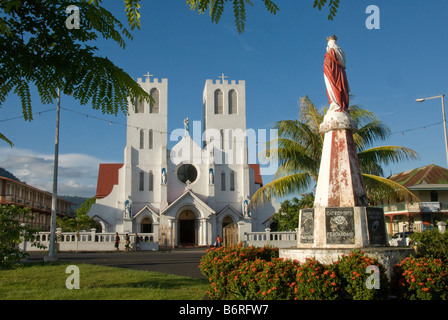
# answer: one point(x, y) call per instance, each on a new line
point(147, 75)
point(222, 77)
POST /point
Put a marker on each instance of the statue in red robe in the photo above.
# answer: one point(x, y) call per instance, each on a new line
point(335, 77)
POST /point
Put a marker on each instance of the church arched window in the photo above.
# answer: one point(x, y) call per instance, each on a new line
point(139, 105)
point(219, 102)
point(223, 181)
point(142, 182)
point(142, 139)
point(232, 180)
point(154, 105)
point(221, 135)
point(150, 139)
point(150, 181)
point(233, 102)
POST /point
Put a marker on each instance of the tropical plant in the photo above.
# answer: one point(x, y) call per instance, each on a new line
point(298, 151)
point(13, 232)
point(38, 49)
point(431, 244)
point(82, 221)
point(216, 9)
point(424, 278)
point(287, 217)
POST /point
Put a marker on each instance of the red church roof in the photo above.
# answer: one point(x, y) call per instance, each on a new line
point(107, 178)
point(257, 174)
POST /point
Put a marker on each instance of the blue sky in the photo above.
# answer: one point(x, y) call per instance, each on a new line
point(281, 59)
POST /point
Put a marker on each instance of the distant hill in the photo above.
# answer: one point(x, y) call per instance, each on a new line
point(5, 173)
point(78, 201)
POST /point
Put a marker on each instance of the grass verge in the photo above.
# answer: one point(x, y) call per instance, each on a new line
point(48, 282)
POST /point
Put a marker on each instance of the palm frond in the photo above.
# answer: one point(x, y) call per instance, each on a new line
point(385, 189)
point(385, 155)
point(310, 115)
point(369, 133)
point(281, 187)
point(298, 151)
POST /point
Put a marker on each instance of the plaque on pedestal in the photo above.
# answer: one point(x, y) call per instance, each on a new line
point(340, 225)
point(306, 226)
point(376, 225)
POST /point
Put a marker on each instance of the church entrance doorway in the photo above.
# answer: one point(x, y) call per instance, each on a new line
point(146, 226)
point(230, 234)
point(187, 228)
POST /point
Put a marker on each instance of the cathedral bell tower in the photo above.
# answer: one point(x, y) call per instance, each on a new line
point(146, 146)
point(224, 124)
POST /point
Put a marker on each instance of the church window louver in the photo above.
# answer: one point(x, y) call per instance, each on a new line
point(154, 105)
point(142, 183)
point(150, 139)
point(150, 181)
point(142, 139)
point(233, 102)
point(219, 102)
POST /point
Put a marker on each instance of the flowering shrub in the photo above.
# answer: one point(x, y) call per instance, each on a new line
point(316, 281)
point(351, 270)
point(218, 264)
point(421, 278)
point(258, 274)
point(264, 280)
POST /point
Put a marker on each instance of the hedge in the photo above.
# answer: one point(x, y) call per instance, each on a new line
point(422, 278)
point(254, 273)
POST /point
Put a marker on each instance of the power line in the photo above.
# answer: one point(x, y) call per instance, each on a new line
point(21, 117)
point(111, 122)
point(418, 128)
point(132, 126)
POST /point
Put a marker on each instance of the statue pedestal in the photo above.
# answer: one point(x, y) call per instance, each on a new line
point(340, 220)
point(340, 182)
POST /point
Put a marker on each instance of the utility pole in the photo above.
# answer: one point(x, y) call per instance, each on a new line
point(444, 119)
point(54, 204)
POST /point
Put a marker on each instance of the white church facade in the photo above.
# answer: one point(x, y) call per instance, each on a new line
point(189, 194)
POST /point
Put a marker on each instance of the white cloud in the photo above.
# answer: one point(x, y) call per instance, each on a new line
point(77, 173)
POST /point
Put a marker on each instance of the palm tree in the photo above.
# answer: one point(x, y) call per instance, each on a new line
point(298, 151)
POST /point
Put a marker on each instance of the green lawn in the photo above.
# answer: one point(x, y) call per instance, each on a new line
point(47, 281)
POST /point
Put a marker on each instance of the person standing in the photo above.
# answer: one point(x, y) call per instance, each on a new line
point(127, 242)
point(136, 242)
point(218, 241)
point(117, 241)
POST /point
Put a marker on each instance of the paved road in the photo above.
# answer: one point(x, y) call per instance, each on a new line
point(182, 262)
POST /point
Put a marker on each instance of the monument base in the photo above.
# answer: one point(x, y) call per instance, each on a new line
point(344, 227)
point(387, 256)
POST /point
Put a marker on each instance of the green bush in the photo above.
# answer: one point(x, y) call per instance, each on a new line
point(218, 263)
point(351, 270)
point(263, 280)
point(421, 279)
point(431, 243)
point(316, 281)
point(258, 274)
point(12, 233)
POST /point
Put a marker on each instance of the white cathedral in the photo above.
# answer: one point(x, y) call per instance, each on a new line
point(190, 194)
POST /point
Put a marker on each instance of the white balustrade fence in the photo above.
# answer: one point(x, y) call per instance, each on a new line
point(91, 241)
point(284, 239)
